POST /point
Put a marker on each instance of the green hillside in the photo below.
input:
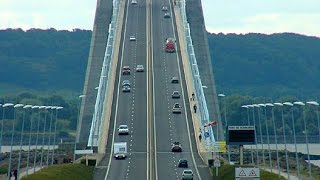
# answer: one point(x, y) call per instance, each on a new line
point(253, 64)
point(43, 59)
point(266, 65)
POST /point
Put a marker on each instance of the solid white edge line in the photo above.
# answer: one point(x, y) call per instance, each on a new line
point(119, 79)
point(184, 100)
point(147, 66)
point(154, 105)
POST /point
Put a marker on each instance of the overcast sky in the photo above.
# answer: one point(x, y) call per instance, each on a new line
point(227, 16)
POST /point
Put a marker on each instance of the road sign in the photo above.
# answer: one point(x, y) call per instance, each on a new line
point(86, 151)
point(247, 172)
point(206, 134)
point(240, 135)
point(220, 146)
point(216, 163)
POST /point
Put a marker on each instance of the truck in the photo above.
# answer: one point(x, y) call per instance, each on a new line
point(120, 150)
point(170, 45)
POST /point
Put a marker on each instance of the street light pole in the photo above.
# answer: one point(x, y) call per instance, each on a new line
point(247, 107)
point(50, 132)
point(225, 121)
point(37, 138)
point(255, 134)
point(21, 137)
point(44, 132)
point(284, 138)
point(12, 135)
point(75, 140)
point(261, 139)
point(55, 132)
point(267, 130)
point(275, 135)
point(306, 135)
point(3, 113)
point(316, 104)
point(294, 137)
point(30, 132)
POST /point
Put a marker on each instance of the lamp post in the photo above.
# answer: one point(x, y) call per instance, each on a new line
point(267, 130)
point(37, 138)
point(3, 113)
point(314, 103)
point(77, 130)
point(12, 135)
point(261, 139)
point(294, 137)
point(247, 107)
point(284, 138)
point(50, 131)
point(30, 131)
point(275, 135)
point(21, 137)
point(55, 132)
point(44, 132)
point(306, 135)
point(255, 133)
point(225, 121)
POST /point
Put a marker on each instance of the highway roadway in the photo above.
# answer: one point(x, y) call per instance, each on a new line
point(147, 109)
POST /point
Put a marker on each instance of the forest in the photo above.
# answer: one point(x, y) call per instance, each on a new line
point(47, 67)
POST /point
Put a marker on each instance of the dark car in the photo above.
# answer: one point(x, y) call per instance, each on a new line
point(176, 147)
point(183, 163)
point(120, 156)
point(175, 80)
point(126, 70)
point(167, 15)
point(175, 95)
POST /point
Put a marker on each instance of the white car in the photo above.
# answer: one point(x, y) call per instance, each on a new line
point(165, 8)
point(139, 68)
point(134, 2)
point(132, 38)
point(187, 174)
point(123, 129)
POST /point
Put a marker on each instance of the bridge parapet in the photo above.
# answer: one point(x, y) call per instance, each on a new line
point(100, 114)
point(207, 131)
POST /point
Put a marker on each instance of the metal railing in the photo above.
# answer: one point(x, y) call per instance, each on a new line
point(203, 114)
point(98, 116)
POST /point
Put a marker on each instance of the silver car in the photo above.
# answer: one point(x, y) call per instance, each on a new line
point(126, 82)
point(175, 80)
point(139, 68)
point(187, 174)
point(176, 108)
point(126, 88)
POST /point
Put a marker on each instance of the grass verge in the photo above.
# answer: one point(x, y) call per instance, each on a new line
point(226, 172)
point(63, 172)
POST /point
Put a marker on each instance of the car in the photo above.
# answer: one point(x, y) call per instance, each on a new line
point(120, 156)
point(183, 163)
point(125, 70)
point(176, 147)
point(126, 82)
point(123, 129)
point(175, 80)
point(132, 38)
point(165, 8)
point(167, 15)
point(139, 68)
point(126, 88)
point(187, 174)
point(175, 95)
point(176, 108)
point(134, 2)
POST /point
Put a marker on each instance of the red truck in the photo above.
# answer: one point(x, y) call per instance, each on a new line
point(170, 45)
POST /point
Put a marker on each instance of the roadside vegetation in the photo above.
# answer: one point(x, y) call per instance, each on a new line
point(227, 172)
point(63, 172)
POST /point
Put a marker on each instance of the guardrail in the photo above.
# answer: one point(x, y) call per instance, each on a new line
point(98, 116)
point(203, 114)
